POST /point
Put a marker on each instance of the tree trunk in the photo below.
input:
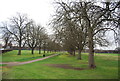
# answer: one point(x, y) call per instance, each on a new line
point(44, 49)
point(91, 60)
point(32, 51)
point(5, 45)
point(19, 51)
point(39, 50)
point(91, 50)
point(73, 52)
point(47, 51)
point(79, 54)
point(55, 50)
point(44, 53)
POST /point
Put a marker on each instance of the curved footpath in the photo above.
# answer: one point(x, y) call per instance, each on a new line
point(20, 63)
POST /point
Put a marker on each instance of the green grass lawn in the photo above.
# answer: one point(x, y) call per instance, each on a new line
point(107, 68)
point(2, 64)
point(111, 54)
point(26, 56)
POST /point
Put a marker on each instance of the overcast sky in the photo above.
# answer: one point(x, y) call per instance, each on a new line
point(38, 10)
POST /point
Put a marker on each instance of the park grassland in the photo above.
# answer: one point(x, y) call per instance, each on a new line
point(26, 56)
point(107, 68)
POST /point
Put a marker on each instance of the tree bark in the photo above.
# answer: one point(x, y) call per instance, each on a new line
point(19, 51)
point(32, 51)
point(39, 50)
point(91, 50)
point(44, 49)
point(79, 54)
point(47, 51)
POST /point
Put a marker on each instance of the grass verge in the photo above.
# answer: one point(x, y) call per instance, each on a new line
point(107, 68)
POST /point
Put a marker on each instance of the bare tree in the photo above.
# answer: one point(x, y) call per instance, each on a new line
point(17, 27)
point(95, 17)
point(31, 37)
point(54, 44)
point(41, 34)
point(69, 27)
point(6, 36)
point(45, 38)
point(96, 23)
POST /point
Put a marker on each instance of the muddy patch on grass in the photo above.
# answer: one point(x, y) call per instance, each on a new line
point(65, 66)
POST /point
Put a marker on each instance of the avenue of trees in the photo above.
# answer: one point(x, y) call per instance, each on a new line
point(77, 26)
point(25, 32)
point(80, 25)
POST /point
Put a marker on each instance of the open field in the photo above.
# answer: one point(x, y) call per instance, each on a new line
point(107, 68)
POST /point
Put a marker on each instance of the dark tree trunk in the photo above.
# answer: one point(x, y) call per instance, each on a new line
point(91, 50)
point(79, 54)
point(44, 49)
point(32, 51)
point(19, 51)
point(5, 45)
point(55, 51)
point(44, 53)
point(39, 50)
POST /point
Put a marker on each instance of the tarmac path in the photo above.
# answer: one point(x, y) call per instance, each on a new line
point(26, 62)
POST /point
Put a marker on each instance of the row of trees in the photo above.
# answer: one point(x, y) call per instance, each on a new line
point(25, 33)
point(80, 25)
point(77, 25)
